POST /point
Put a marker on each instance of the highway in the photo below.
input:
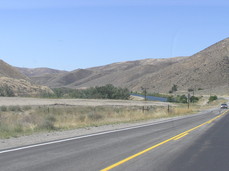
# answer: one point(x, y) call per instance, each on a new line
point(197, 142)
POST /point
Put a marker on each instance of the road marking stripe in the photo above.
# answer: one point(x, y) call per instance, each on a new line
point(181, 136)
point(135, 155)
point(161, 143)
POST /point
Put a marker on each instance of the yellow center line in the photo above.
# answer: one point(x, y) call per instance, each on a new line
point(161, 143)
point(181, 136)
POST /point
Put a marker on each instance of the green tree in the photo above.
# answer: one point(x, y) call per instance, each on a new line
point(58, 92)
point(174, 88)
point(194, 99)
point(182, 99)
point(171, 99)
point(212, 98)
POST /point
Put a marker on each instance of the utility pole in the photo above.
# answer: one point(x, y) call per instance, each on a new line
point(144, 91)
point(188, 100)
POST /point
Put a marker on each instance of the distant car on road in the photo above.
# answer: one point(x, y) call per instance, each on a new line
point(224, 106)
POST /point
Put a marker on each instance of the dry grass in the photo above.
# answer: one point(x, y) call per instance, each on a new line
point(21, 120)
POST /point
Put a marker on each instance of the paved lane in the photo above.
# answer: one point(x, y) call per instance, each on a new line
point(210, 152)
point(98, 152)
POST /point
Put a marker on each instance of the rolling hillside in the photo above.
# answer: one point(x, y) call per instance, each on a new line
point(206, 71)
point(19, 83)
point(119, 74)
point(7, 70)
point(41, 76)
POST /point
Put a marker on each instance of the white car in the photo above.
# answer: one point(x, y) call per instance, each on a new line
point(224, 106)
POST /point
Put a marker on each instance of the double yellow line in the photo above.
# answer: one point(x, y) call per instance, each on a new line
point(177, 137)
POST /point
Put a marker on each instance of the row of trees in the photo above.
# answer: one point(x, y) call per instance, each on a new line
point(103, 92)
point(175, 88)
point(192, 99)
point(182, 99)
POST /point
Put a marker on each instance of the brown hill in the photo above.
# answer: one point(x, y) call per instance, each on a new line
point(7, 70)
point(207, 71)
point(119, 74)
point(41, 75)
point(19, 83)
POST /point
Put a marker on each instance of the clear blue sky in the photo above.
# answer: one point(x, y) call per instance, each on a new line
point(71, 34)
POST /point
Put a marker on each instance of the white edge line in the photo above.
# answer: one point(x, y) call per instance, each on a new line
point(95, 134)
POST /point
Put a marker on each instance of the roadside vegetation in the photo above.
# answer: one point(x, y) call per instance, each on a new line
point(183, 99)
point(24, 120)
point(212, 98)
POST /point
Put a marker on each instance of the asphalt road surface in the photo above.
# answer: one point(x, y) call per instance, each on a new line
point(198, 142)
